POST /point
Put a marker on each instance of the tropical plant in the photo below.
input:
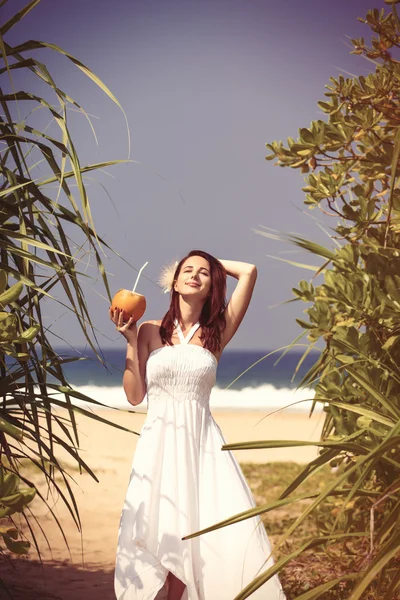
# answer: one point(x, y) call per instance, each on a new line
point(13, 498)
point(38, 217)
point(352, 166)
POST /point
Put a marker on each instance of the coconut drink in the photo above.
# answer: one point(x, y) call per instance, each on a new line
point(130, 302)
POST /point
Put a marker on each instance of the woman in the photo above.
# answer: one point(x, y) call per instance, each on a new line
point(181, 481)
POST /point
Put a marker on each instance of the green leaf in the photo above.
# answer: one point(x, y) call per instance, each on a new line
point(9, 429)
point(3, 281)
point(390, 342)
point(18, 17)
point(11, 295)
point(304, 324)
point(295, 264)
point(17, 546)
point(374, 391)
point(367, 413)
point(394, 165)
point(312, 247)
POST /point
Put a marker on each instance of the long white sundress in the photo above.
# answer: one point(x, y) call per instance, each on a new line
point(181, 482)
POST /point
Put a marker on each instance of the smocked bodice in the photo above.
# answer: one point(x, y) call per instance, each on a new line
point(180, 373)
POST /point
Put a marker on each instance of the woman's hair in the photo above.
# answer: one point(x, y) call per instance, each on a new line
point(212, 319)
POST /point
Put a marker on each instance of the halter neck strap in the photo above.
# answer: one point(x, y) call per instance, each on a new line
point(182, 338)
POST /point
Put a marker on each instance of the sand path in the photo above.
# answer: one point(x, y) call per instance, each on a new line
point(86, 572)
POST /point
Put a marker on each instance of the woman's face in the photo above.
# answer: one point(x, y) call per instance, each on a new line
point(194, 278)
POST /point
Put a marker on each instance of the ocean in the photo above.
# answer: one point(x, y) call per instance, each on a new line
point(245, 380)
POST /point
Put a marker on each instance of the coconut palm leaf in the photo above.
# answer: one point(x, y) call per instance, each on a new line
point(15, 19)
point(35, 210)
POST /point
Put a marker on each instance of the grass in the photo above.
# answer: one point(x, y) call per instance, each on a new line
point(312, 568)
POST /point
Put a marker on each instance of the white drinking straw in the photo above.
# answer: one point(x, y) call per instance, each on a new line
point(137, 278)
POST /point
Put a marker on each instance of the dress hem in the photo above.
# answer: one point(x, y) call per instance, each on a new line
point(179, 576)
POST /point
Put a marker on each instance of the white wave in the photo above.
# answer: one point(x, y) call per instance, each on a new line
point(263, 398)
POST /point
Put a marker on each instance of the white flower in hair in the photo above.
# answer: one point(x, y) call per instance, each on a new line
point(166, 278)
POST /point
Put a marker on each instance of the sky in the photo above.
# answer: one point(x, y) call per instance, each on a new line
point(204, 86)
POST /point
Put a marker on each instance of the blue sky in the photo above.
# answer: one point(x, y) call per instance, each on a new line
point(204, 85)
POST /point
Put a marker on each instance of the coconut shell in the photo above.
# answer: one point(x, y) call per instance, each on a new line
point(131, 303)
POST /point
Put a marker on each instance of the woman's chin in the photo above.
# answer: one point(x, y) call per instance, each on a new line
point(193, 293)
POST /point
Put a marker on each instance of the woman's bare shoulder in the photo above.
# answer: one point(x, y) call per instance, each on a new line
point(151, 333)
point(150, 327)
point(151, 322)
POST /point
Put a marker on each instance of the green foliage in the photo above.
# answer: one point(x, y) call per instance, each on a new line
point(352, 161)
point(40, 214)
point(13, 498)
point(9, 336)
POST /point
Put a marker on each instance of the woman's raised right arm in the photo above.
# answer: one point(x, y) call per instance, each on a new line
point(137, 353)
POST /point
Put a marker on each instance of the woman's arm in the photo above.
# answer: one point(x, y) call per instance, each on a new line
point(246, 274)
point(134, 378)
point(137, 353)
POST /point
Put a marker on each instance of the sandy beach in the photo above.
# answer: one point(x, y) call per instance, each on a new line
point(86, 569)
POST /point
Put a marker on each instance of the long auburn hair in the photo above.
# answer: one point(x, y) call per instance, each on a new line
point(212, 319)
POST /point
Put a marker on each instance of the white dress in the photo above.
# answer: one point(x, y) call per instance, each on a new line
point(181, 482)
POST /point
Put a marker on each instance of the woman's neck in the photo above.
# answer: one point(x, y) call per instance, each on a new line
point(190, 313)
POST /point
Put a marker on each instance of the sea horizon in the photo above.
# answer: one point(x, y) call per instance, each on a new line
point(246, 380)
